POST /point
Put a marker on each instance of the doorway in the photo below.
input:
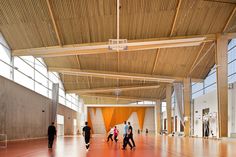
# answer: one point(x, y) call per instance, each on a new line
point(176, 123)
point(165, 124)
point(60, 125)
point(205, 124)
point(75, 126)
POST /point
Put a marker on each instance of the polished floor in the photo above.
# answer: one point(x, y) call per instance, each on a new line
point(148, 146)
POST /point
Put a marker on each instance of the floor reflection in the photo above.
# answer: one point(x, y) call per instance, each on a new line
point(158, 146)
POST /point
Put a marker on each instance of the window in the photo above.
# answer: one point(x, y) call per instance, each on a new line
point(163, 106)
point(5, 59)
point(32, 73)
point(24, 72)
point(209, 84)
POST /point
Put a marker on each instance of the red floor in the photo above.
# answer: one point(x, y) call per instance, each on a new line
point(146, 147)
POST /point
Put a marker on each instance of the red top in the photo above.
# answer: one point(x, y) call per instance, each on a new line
point(116, 132)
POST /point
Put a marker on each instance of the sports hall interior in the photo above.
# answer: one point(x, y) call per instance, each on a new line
point(166, 66)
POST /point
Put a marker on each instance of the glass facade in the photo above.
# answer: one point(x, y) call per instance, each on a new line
point(32, 73)
point(209, 84)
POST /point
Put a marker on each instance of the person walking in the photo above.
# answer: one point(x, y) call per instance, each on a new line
point(111, 132)
point(146, 131)
point(126, 137)
point(130, 131)
point(51, 134)
point(116, 132)
point(86, 134)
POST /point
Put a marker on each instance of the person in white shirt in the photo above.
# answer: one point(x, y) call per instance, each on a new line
point(111, 132)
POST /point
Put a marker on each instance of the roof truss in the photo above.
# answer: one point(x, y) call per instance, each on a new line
point(118, 75)
point(111, 89)
point(120, 97)
point(97, 48)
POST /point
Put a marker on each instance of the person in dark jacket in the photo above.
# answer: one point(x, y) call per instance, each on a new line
point(86, 134)
point(51, 134)
point(131, 135)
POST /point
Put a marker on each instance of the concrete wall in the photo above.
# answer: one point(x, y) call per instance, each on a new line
point(25, 114)
point(97, 121)
point(149, 120)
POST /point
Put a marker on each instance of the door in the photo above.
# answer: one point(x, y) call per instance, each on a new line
point(176, 123)
point(172, 124)
point(164, 124)
point(181, 127)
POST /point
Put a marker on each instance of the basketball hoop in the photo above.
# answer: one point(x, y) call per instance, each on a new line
point(118, 44)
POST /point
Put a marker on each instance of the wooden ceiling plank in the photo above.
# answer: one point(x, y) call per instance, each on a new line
point(54, 22)
point(111, 89)
point(175, 18)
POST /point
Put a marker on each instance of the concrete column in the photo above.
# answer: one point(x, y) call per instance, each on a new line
point(168, 107)
point(187, 105)
point(158, 117)
point(222, 84)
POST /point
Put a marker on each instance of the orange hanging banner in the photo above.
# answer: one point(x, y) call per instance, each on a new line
point(107, 113)
point(141, 115)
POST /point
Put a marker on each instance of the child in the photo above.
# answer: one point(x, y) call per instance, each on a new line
point(110, 135)
point(116, 132)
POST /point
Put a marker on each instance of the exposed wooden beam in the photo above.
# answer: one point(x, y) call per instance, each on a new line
point(175, 18)
point(97, 48)
point(222, 85)
point(196, 59)
point(155, 62)
point(203, 56)
point(54, 22)
point(89, 84)
point(120, 97)
point(111, 89)
point(229, 35)
point(78, 61)
point(115, 75)
point(168, 108)
point(118, 75)
point(229, 19)
point(221, 1)
point(187, 105)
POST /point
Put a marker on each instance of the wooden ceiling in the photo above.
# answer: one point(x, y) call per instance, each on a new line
point(29, 24)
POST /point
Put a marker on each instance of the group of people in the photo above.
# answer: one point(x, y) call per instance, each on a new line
point(127, 135)
point(52, 133)
point(113, 131)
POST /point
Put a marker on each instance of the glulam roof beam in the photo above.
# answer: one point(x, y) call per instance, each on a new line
point(112, 89)
point(97, 48)
point(118, 75)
